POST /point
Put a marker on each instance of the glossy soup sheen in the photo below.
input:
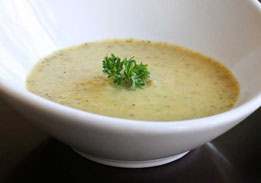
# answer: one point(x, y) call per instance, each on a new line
point(184, 84)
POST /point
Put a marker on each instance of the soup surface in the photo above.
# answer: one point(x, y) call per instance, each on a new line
point(184, 84)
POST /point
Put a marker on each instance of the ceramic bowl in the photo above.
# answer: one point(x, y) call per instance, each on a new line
point(226, 30)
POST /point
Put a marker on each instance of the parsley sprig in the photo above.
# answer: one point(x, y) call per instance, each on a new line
point(126, 72)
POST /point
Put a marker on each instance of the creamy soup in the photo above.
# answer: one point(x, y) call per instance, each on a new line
point(183, 84)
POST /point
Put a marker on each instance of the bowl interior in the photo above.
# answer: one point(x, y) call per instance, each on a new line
point(226, 30)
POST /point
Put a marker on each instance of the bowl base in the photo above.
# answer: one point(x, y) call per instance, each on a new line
point(132, 164)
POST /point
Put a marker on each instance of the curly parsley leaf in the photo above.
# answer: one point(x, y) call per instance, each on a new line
point(126, 72)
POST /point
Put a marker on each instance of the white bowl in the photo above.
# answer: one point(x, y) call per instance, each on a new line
point(226, 30)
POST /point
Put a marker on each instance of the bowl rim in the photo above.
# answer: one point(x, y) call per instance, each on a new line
point(87, 118)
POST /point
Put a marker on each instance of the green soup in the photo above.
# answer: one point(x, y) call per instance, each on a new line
point(184, 84)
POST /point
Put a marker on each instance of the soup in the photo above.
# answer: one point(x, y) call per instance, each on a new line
point(183, 84)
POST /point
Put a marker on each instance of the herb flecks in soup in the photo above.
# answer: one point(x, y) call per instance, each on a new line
point(183, 84)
